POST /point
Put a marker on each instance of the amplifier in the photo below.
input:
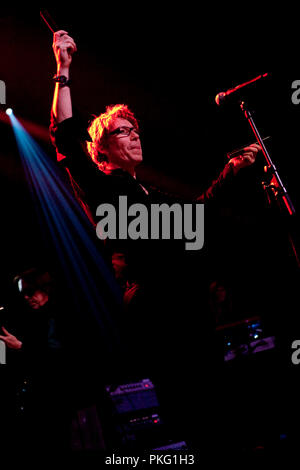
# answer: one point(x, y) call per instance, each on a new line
point(133, 397)
point(136, 422)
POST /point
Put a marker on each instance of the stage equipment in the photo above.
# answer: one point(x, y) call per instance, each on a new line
point(221, 97)
point(174, 446)
point(137, 422)
point(243, 338)
point(273, 184)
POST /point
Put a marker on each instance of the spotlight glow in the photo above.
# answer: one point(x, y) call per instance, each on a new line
point(66, 226)
point(9, 111)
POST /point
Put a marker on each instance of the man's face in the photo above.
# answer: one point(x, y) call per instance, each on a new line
point(36, 299)
point(124, 151)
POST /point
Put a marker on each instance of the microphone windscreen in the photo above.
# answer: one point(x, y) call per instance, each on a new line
point(219, 98)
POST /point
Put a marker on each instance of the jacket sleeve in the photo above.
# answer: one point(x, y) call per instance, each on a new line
point(223, 181)
point(69, 138)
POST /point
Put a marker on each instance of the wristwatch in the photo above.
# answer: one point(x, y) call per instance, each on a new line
point(62, 80)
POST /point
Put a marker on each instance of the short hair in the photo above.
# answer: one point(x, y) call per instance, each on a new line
point(99, 127)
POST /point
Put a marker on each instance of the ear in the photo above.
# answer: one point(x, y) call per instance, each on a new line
point(102, 148)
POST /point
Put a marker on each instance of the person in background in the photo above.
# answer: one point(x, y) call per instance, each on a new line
point(36, 351)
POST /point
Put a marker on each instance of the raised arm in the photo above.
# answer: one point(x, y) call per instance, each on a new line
point(63, 47)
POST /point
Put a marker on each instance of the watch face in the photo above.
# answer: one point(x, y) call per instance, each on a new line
point(60, 78)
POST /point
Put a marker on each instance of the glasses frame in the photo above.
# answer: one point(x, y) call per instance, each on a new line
point(128, 130)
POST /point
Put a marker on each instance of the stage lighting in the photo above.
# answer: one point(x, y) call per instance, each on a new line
point(67, 229)
point(9, 111)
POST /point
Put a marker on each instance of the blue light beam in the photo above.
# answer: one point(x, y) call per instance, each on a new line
point(70, 232)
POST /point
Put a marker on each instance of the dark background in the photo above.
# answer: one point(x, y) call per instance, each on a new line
point(168, 69)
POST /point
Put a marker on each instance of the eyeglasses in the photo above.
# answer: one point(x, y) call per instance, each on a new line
point(124, 131)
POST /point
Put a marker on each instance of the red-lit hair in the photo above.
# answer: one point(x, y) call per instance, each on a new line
point(99, 127)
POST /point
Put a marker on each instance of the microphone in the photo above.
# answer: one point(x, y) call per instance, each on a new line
point(222, 96)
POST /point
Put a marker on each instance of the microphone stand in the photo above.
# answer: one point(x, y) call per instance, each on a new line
point(274, 184)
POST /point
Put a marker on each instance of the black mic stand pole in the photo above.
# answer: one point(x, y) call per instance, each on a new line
point(275, 184)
